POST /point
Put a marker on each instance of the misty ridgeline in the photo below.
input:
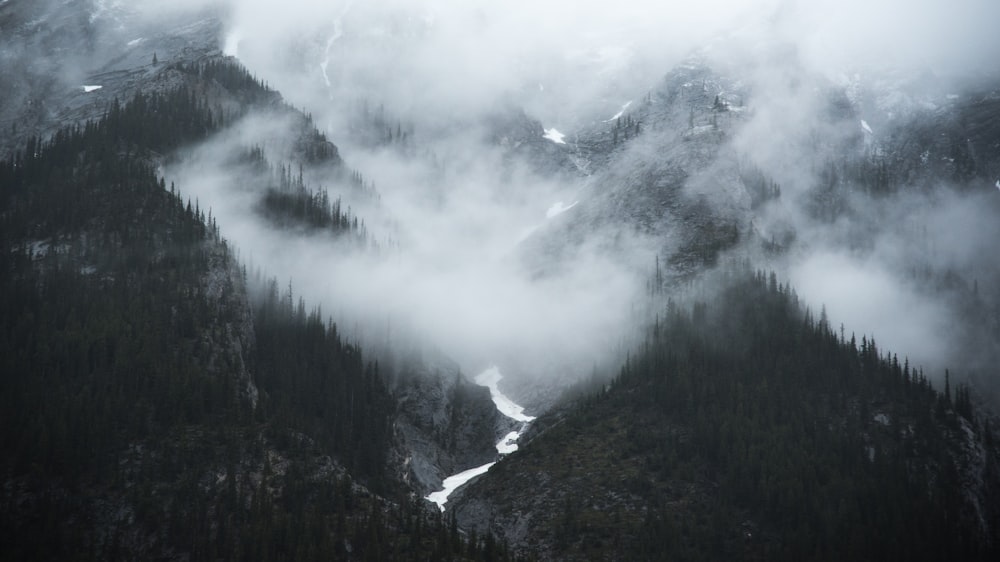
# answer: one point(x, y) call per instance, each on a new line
point(739, 272)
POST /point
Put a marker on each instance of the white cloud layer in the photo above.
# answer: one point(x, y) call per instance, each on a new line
point(439, 65)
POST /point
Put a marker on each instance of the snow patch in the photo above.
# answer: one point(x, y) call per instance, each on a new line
point(88, 89)
point(620, 112)
point(490, 378)
point(39, 249)
point(508, 444)
point(952, 96)
point(338, 32)
point(554, 136)
point(882, 419)
point(865, 127)
point(452, 483)
point(135, 42)
point(998, 184)
point(558, 209)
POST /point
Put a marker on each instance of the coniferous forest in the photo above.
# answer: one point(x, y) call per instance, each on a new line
point(747, 428)
point(157, 402)
point(151, 408)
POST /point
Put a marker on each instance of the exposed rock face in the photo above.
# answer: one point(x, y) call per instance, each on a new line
point(523, 141)
point(232, 340)
point(446, 423)
point(662, 175)
point(56, 48)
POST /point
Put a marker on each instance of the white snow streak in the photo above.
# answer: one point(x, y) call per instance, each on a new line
point(865, 127)
point(88, 89)
point(490, 378)
point(452, 483)
point(559, 208)
point(998, 184)
point(621, 112)
point(338, 32)
point(508, 444)
point(554, 136)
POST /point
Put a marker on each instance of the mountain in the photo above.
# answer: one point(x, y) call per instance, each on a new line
point(159, 401)
point(180, 381)
point(747, 428)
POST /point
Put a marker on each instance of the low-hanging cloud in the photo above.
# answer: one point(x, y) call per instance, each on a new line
point(453, 277)
point(439, 66)
point(871, 301)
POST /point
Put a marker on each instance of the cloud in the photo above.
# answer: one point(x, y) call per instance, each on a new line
point(870, 300)
point(458, 208)
point(462, 52)
point(456, 281)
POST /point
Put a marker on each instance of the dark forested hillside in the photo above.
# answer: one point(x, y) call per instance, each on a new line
point(746, 428)
point(147, 411)
point(288, 203)
point(321, 386)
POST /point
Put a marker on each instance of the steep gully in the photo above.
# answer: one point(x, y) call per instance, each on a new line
point(489, 378)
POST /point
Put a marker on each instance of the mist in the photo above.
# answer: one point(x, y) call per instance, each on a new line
point(456, 206)
point(924, 284)
point(448, 276)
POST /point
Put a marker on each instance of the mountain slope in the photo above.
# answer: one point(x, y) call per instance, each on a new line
point(155, 402)
point(746, 428)
point(149, 409)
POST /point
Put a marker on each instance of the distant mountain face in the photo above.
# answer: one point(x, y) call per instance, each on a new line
point(70, 59)
point(705, 171)
point(716, 162)
point(696, 139)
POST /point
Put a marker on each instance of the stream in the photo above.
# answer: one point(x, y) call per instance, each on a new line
point(489, 378)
